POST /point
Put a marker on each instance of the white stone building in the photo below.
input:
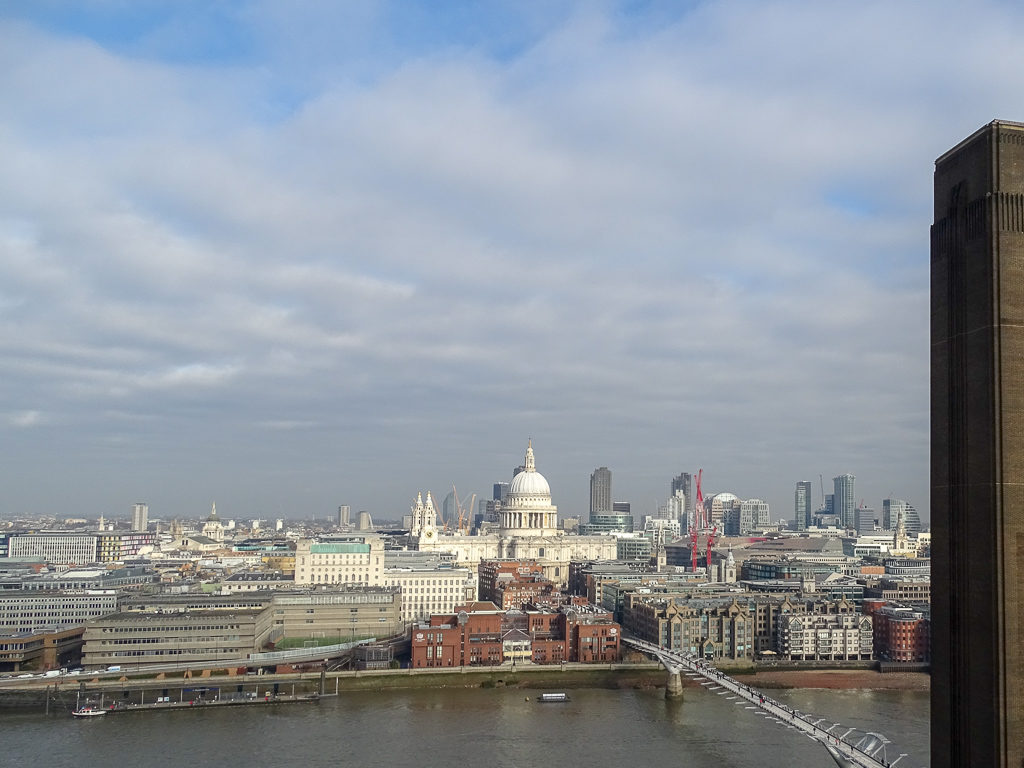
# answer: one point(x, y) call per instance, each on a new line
point(528, 530)
point(427, 590)
point(340, 560)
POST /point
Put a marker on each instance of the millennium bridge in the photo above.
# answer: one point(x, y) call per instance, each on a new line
point(868, 751)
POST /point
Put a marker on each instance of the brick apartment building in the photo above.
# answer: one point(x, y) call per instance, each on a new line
point(901, 633)
point(481, 634)
point(516, 583)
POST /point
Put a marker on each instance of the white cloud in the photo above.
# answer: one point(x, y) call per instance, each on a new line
point(25, 419)
point(703, 241)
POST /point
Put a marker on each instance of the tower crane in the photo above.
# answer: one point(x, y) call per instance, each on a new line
point(464, 514)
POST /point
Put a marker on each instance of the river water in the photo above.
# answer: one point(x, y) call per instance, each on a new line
point(494, 728)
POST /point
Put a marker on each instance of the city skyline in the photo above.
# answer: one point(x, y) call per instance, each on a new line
point(293, 259)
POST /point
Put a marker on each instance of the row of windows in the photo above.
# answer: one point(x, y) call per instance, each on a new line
point(177, 652)
point(51, 614)
point(334, 578)
point(152, 640)
point(168, 628)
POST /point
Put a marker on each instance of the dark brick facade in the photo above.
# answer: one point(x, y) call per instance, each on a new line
point(977, 375)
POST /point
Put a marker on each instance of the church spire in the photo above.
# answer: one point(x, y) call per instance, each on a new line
point(529, 466)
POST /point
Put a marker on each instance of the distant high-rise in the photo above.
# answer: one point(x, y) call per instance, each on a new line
point(752, 515)
point(500, 491)
point(449, 510)
point(844, 502)
point(601, 491)
point(892, 511)
point(683, 482)
point(977, 451)
point(802, 505)
point(864, 520)
point(911, 521)
point(344, 516)
point(140, 517)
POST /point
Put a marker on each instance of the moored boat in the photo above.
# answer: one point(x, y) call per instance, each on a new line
point(89, 711)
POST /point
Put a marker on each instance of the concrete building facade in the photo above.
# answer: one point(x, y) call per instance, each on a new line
point(32, 610)
point(140, 517)
point(427, 590)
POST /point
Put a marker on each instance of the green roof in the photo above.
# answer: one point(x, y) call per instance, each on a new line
point(339, 548)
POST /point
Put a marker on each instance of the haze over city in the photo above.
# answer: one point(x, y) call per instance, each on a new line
point(291, 256)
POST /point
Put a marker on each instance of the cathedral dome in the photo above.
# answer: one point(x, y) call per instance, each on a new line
point(527, 509)
point(528, 483)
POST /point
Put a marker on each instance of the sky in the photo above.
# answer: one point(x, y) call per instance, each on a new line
point(287, 256)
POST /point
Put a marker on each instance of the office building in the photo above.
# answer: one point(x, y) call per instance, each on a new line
point(607, 523)
point(892, 511)
point(56, 547)
point(683, 483)
point(32, 610)
point(977, 451)
point(428, 588)
point(499, 491)
point(140, 517)
point(864, 520)
point(802, 506)
point(843, 500)
point(600, 491)
point(340, 560)
point(344, 516)
point(119, 546)
point(751, 515)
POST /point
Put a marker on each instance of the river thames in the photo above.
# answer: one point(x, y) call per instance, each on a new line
point(496, 728)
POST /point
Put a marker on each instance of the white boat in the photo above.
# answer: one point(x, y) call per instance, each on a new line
point(89, 711)
point(552, 697)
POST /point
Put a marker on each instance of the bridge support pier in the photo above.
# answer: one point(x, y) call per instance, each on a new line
point(674, 687)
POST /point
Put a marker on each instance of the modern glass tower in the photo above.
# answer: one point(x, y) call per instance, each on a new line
point(844, 502)
point(601, 491)
point(802, 505)
point(977, 451)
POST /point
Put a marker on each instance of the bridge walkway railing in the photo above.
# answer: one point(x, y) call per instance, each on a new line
point(866, 752)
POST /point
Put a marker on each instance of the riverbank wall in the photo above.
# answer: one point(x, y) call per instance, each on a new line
point(143, 689)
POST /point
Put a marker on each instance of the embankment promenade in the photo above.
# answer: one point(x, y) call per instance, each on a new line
point(136, 688)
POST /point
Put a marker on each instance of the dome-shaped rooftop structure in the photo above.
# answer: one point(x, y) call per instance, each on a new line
point(527, 509)
point(529, 484)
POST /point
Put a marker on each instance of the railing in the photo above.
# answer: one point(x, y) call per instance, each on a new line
point(312, 653)
point(869, 751)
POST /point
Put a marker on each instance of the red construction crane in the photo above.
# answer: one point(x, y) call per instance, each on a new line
point(696, 522)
